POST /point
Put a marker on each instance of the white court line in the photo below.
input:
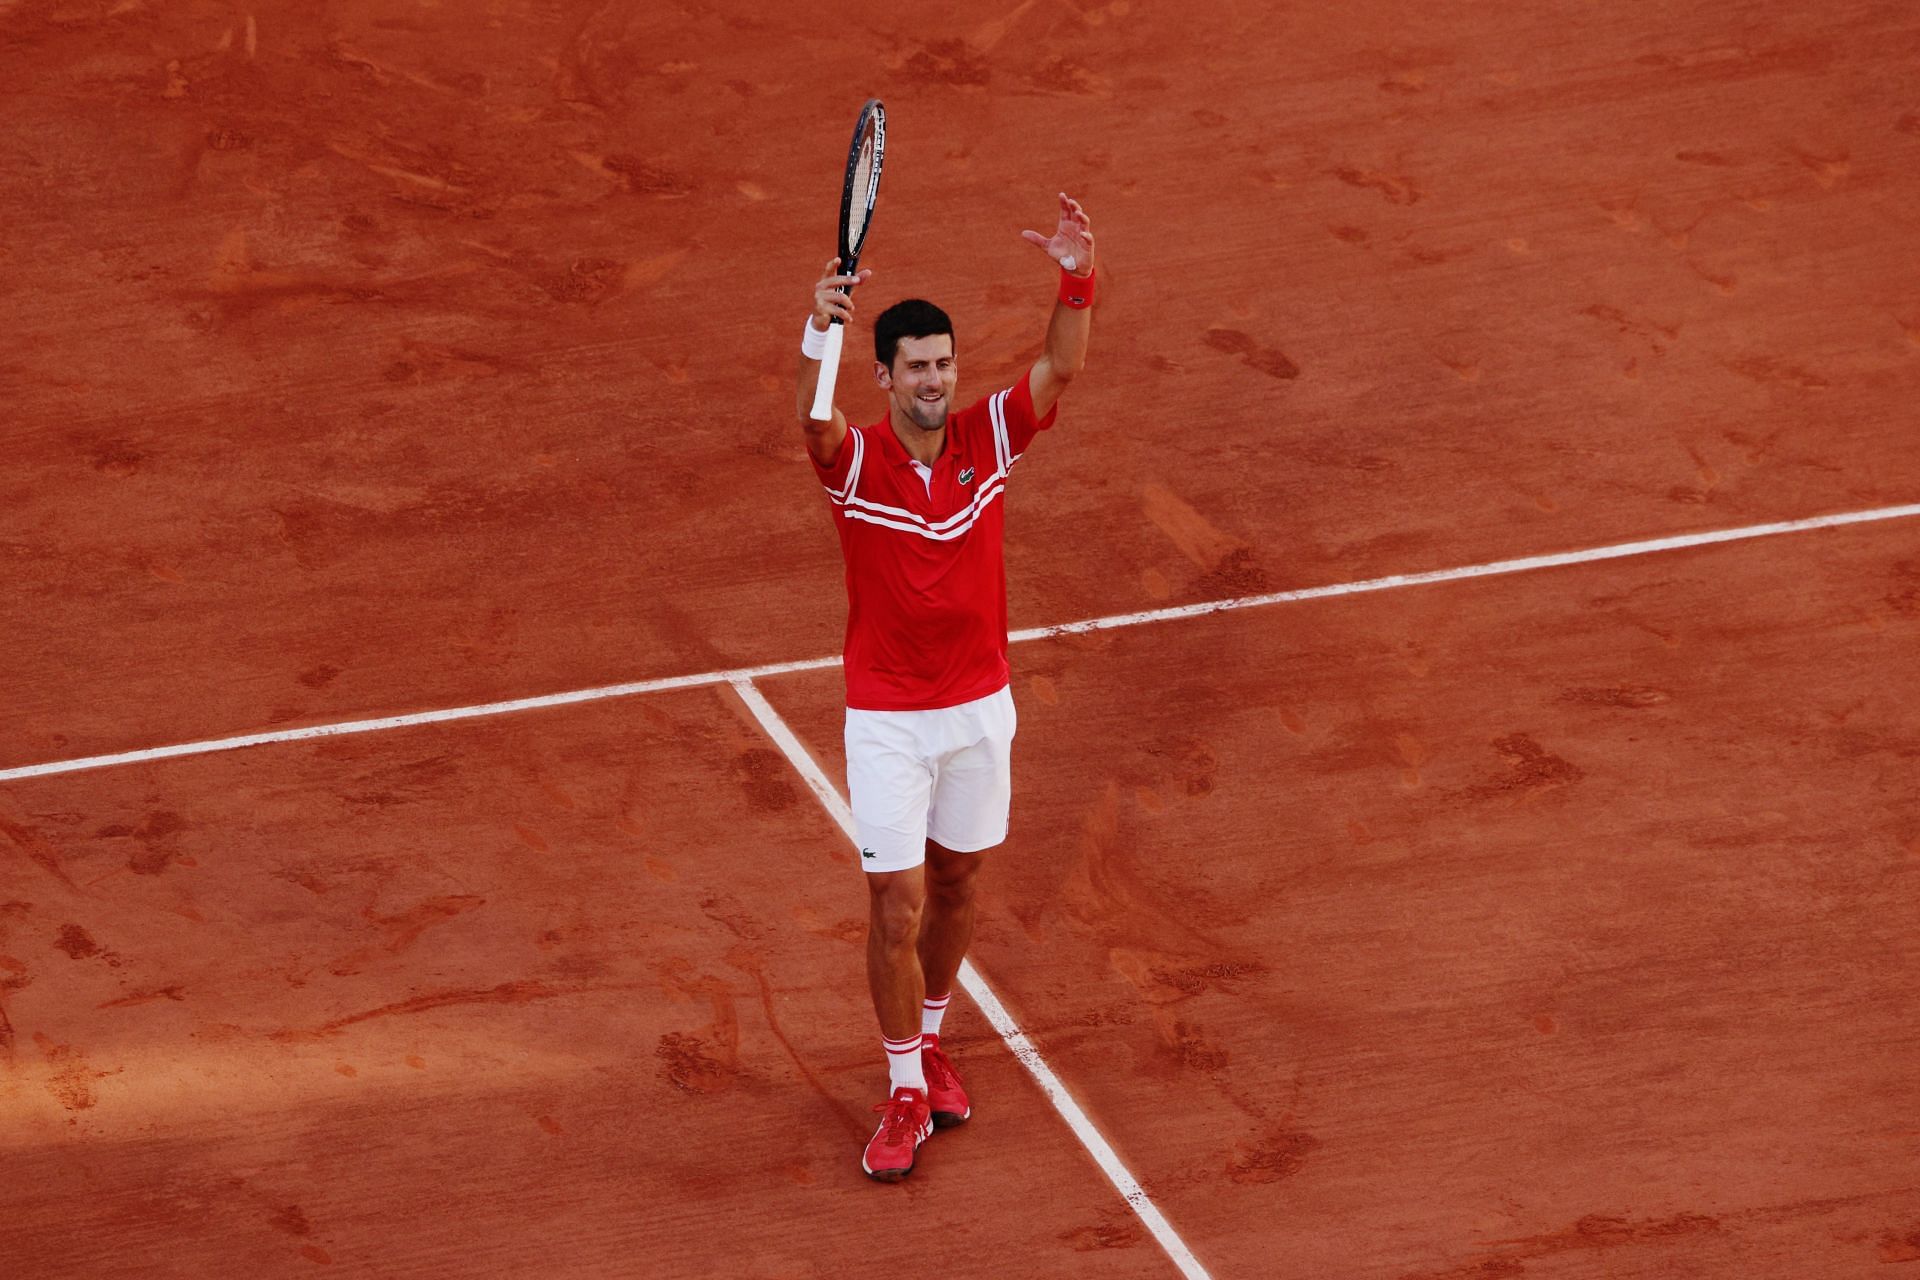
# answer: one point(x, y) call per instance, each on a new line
point(1613, 552)
point(1616, 551)
point(977, 989)
point(419, 717)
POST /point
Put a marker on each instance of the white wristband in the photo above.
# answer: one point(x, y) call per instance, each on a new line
point(813, 342)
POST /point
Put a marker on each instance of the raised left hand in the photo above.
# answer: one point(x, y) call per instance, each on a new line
point(1072, 243)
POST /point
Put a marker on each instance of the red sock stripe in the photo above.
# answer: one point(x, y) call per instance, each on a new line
point(940, 1002)
point(902, 1046)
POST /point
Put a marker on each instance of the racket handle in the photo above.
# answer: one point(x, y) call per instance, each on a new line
point(829, 370)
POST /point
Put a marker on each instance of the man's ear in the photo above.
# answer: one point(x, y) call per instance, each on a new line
point(882, 376)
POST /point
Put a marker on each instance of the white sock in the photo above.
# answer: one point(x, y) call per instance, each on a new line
point(903, 1064)
point(932, 1009)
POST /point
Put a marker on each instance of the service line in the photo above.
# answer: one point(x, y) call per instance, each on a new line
point(974, 983)
point(1615, 551)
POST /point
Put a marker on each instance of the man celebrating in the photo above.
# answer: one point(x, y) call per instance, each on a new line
point(930, 718)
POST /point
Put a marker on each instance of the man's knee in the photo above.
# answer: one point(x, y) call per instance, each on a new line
point(950, 875)
point(896, 898)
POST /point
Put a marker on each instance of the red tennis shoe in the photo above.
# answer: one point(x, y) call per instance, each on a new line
point(946, 1096)
point(904, 1124)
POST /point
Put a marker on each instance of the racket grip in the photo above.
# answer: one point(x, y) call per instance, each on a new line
point(829, 370)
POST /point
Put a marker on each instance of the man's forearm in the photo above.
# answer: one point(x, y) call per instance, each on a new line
point(1065, 354)
point(1067, 335)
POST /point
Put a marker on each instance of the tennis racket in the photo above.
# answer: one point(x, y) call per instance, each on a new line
point(856, 215)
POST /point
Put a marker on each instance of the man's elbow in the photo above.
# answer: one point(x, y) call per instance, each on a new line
point(1053, 369)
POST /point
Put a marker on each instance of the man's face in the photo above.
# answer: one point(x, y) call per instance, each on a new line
point(920, 383)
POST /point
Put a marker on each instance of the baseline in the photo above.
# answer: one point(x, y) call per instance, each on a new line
point(1524, 564)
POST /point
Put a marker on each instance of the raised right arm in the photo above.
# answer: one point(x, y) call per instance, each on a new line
point(830, 299)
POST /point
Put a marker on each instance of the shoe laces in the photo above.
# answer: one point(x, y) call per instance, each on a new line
point(898, 1121)
point(940, 1072)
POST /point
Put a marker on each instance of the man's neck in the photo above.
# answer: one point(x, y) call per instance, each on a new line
point(922, 446)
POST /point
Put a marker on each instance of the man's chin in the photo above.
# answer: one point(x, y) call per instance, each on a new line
point(928, 417)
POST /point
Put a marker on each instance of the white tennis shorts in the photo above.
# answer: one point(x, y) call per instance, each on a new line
point(918, 775)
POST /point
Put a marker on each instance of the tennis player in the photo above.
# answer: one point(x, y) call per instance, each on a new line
point(916, 497)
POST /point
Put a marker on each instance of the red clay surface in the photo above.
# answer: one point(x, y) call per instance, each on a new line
point(564, 996)
point(365, 358)
point(1488, 929)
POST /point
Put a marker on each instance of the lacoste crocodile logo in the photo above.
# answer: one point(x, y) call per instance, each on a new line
point(966, 477)
point(868, 853)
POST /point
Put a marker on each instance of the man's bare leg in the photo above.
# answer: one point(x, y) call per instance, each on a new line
point(944, 936)
point(948, 927)
point(896, 900)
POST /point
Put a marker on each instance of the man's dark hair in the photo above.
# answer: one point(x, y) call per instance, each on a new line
point(908, 318)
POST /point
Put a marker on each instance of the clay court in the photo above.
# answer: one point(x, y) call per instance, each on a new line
point(1476, 836)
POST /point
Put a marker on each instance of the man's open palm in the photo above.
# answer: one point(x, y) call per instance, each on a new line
point(1072, 243)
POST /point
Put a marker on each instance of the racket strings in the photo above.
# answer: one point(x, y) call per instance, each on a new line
point(860, 208)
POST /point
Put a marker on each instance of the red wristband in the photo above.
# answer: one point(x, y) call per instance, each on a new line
point(1076, 291)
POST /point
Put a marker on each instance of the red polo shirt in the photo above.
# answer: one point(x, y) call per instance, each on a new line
point(926, 577)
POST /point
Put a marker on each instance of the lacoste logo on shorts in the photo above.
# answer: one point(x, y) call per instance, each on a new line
point(868, 853)
point(966, 477)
